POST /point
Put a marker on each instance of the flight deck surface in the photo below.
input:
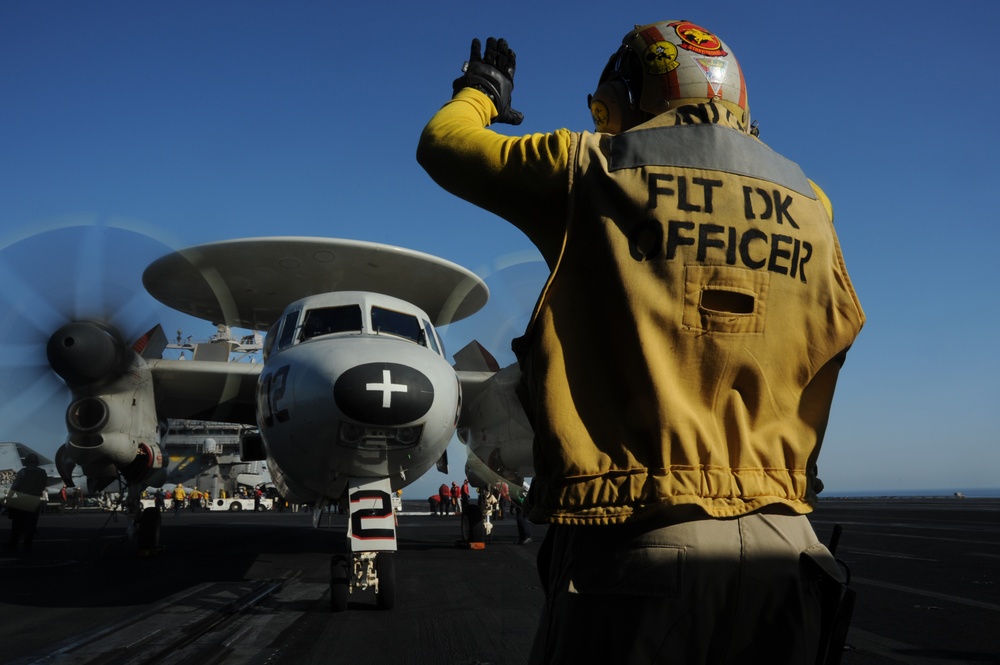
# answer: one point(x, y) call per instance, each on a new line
point(254, 588)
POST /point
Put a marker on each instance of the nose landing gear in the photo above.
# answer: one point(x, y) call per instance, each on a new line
point(372, 537)
point(361, 571)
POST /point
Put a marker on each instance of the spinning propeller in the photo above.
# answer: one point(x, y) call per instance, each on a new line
point(71, 307)
point(514, 280)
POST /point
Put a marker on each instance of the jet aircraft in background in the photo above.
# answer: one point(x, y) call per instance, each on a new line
point(12, 459)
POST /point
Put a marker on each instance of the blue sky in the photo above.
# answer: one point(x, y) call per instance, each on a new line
point(188, 122)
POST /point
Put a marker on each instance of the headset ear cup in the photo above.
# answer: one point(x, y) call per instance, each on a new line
point(605, 107)
point(611, 110)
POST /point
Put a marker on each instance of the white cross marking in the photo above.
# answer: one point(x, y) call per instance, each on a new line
point(387, 387)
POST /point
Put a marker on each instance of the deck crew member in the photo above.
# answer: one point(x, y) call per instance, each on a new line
point(680, 363)
point(25, 502)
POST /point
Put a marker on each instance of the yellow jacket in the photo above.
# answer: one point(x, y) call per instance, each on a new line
point(685, 349)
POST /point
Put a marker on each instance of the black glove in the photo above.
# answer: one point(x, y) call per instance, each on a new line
point(493, 75)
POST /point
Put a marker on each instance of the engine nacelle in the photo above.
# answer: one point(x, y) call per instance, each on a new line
point(115, 427)
point(496, 429)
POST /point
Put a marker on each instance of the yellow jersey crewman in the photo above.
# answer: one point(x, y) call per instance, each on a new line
point(680, 363)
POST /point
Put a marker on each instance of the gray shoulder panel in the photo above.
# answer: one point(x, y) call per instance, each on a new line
point(706, 147)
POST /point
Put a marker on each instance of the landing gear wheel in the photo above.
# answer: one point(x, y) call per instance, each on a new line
point(385, 568)
point(149, 531)
point(339, 574)
point(473, 529)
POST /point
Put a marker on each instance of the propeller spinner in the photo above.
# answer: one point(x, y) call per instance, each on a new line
point(87, 353)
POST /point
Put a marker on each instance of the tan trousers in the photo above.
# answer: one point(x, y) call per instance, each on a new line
point(742, 590)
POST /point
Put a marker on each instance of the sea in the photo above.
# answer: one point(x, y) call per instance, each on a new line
point(970, 493)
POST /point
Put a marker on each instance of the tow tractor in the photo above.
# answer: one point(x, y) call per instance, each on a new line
point(233, 504)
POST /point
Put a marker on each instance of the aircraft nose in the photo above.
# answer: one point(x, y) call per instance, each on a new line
point(383, 394)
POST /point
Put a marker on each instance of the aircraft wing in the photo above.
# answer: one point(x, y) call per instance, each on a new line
point(206, 390)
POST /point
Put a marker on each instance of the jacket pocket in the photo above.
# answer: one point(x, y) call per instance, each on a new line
point(724, 299)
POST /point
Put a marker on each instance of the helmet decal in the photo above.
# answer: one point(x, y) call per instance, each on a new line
point(698, 39)
point(714, 70)
point(660, 57)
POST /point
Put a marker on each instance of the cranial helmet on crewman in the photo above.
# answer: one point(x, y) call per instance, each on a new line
point(662, 66)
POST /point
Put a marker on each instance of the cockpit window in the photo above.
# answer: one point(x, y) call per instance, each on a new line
point(269, 339)
point(329, 320)
point(432, 338)
point(386, 321)
point(288, 329)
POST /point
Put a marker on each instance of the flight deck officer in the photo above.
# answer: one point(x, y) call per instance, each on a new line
point(679, 365)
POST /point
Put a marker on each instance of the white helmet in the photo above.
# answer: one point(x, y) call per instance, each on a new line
point(662, 66)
